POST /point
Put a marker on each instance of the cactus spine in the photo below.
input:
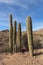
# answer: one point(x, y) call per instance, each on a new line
point(11, 34)
point(29, 35)
point(19, 37)
point(14, 37)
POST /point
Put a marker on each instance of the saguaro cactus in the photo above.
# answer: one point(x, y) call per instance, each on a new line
point(29, 34)
point(11, 35)
point(19, 37)
point(14, 37)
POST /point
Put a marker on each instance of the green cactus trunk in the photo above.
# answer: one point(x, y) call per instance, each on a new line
point(14, 37)
point(29, 35)
point(11, 35)
point(19, 38)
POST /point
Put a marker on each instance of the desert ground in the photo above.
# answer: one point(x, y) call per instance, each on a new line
point(21, 58)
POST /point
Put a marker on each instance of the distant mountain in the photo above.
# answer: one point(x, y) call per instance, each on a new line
point(5, 30)
point(39, 31)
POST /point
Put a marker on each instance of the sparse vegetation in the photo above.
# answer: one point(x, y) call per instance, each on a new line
point(11, 34)
point(14, 37)
point(29, 35)
point(19, 37)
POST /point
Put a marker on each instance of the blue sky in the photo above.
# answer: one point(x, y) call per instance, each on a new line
point(20, 9)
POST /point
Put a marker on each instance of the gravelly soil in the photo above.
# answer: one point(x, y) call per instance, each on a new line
point(22, 59)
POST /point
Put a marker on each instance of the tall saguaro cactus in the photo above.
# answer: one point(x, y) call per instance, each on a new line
point(11, 35)
point(19, 37)
point(14, 37)
point(29, 34)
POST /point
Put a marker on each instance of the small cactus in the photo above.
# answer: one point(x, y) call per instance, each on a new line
point(19, 38)
point(11, 35)
point(29, 34)
point(14, 37)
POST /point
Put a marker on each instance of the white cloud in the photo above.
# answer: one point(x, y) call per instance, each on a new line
point(4, 1)
point(18, 1)
point(4, 19)
point(5, 24)
point(23, 28)
point(37, 25)
point(21, 3)
point(14, 2)
point(30, 1)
